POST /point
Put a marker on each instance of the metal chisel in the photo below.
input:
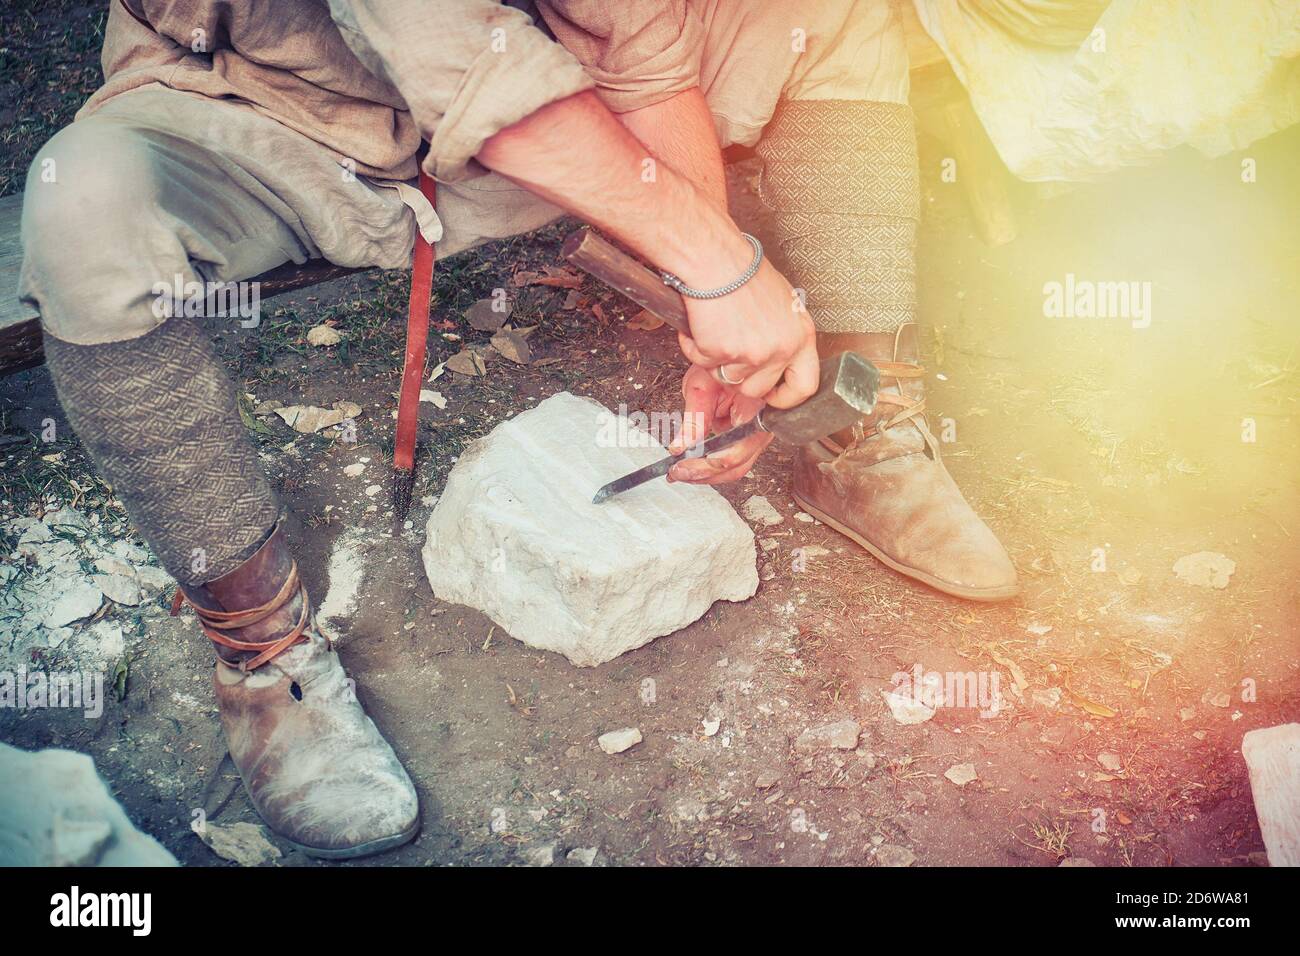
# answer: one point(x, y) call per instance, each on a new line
point(847, 390)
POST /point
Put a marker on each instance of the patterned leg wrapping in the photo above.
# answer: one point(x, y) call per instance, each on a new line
point(841, 177)
point(158, 416)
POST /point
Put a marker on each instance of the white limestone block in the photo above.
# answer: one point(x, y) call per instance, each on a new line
point(55, 811)
point(516, 536)
point(1273, 759)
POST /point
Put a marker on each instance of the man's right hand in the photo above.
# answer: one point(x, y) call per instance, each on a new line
point(760, 336)
point(575, 154)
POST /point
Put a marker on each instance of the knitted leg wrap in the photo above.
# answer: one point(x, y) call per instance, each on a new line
point(158, 416)
point(841, 177)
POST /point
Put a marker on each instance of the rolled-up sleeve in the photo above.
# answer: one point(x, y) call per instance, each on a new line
point(639, 53)
point(466, 69)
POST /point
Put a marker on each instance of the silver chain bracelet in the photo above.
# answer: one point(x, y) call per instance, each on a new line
point(720, 291)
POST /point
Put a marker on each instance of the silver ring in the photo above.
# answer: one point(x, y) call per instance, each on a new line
point(722, 374)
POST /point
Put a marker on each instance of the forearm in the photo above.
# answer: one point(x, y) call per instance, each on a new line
point(576, 154)
point(678, 132)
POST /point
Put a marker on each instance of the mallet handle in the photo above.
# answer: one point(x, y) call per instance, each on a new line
point(621, 272)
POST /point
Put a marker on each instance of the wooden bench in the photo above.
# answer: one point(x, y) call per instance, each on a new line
point(942, 108)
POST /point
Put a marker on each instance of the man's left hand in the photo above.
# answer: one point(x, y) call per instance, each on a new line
point(712, 407)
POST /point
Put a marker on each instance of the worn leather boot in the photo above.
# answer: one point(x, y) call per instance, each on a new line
point(883, 484)
point(315, 766)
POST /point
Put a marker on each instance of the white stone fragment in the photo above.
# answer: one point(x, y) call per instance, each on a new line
point(242, 843)
point(515, 535)
point(912, 704)
point(118, 588)
point(114, 565)
point(67, 519)
point(583, 855)
point(897, 856)
point(104, 641)
point(323, 335)
point(129, 552)
point(79, 599)
point(758, 509)
point(961, 773)
point(1206, 569)
point(616, 741)
point(842, 735)
point(543, 855)
point(1110, 761)
point(153, 581)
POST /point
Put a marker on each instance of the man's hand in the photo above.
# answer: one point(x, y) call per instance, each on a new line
point(576, 154)
point(759, 325)
point(763, 342)
point(758, 336)
point(711, 407)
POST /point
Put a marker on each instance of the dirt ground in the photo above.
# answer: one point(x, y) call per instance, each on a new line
point(1100, 453)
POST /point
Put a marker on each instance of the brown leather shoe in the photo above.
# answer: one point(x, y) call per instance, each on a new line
point(883, 484)
point(315, 766)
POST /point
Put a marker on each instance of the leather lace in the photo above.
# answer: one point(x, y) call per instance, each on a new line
point(908, 407)
point(216, 624)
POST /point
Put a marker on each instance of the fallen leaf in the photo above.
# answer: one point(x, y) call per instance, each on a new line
point(433, 398)
point(550, 275)
point(467, 362)
point(308, 419)
point(1017, 675)
point(512, 346)
point(485, 317)
point(251, 423)
point(1092, 707)
point(645, 320)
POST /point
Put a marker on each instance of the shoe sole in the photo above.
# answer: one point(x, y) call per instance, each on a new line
point(956, 590)
point(364, 849)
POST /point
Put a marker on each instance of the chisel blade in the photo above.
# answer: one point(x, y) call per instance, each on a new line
point(846, 390)
point(660, 468)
